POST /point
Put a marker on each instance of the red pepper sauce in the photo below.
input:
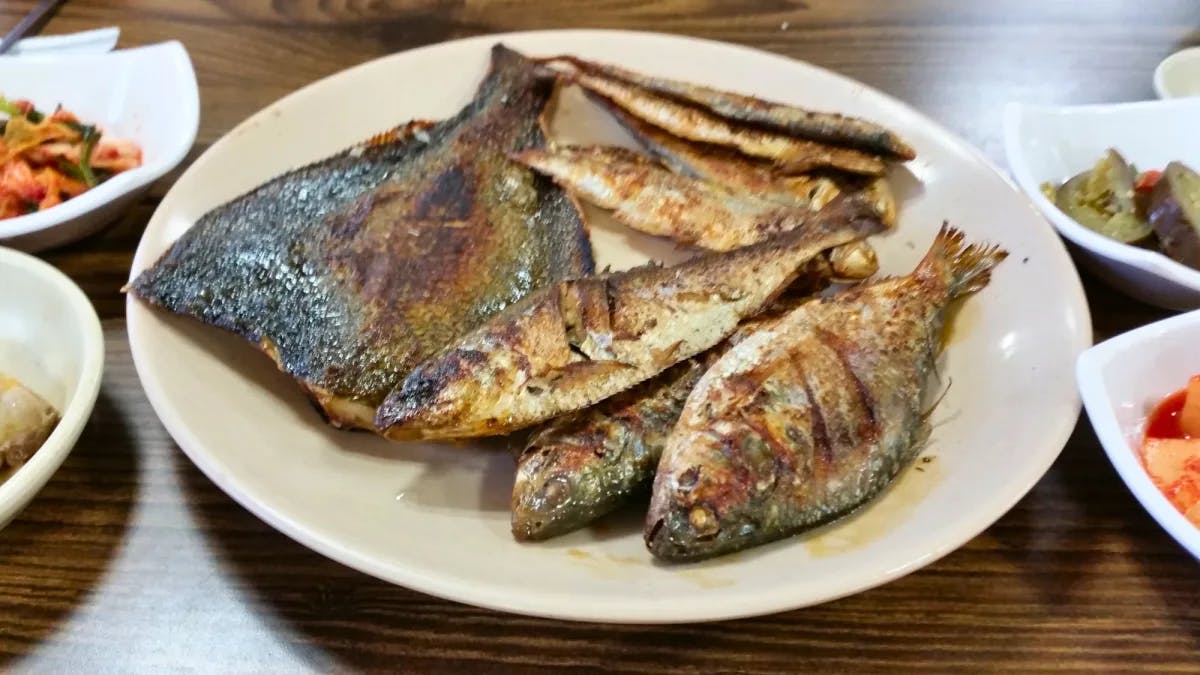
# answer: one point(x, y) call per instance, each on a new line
point(1164, 420)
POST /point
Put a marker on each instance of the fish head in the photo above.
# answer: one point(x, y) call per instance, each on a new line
point(559, 487)
point(703, 511)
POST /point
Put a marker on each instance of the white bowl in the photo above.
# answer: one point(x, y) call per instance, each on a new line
point(50, 340)
point(1053, 143)
point(1179, 74)
point(1120, 381)
point(147, 94)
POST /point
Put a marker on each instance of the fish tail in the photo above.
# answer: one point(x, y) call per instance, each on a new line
point(845, 214)
point(966, 268)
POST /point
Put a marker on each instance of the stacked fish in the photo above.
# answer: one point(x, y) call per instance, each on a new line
point(437, 283)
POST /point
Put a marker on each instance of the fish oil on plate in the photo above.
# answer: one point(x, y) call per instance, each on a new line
point(435, 516)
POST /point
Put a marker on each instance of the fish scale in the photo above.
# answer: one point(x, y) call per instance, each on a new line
point(812, 415)
point(351, 271)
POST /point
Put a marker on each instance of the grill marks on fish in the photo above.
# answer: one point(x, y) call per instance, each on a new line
point(831, 128)
point(812, 415)
point(656, 317)
point(357, 268)
point(584, 465)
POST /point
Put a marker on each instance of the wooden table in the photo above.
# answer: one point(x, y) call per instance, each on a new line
point(131, 560)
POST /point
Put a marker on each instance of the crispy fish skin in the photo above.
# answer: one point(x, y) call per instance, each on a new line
point(745, 174)
point(792, 155)
point(649, 198)
point(818, 126)
point(351, 271)
point(582, 466)
point(573, 344)
point(811, 416)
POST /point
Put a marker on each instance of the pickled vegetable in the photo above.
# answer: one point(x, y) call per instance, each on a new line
point(1174, 210)
point(1103, 200)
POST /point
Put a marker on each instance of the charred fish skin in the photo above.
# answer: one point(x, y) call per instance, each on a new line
point(818, 126)
point(351, 271)
point(647, 197)
point(746, 174)
point(571, 345)
point(813, 415)
point(583, 466)
point(791, 154)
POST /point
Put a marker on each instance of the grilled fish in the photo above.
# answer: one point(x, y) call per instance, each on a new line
point(578, 342)
point(582, 466)
point(649, 198)
point(812, 415)
point(817, 126)
point(740, 173)
point(351, 271)
point(791, 154)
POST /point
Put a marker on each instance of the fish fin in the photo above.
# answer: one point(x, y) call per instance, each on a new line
point(967, 266)
point(925, 415)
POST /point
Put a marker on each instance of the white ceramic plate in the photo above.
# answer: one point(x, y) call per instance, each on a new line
point(1054, 143)
point(50, 340)
point(435, 518)
point(147, 94)
point(1121, 380)
point(1178, 75)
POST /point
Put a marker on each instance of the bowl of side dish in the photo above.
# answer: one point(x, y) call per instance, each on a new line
point(1051, 145)
point(143, 99)
point(51, 360)
point(1130, 385)
point(1178, 75)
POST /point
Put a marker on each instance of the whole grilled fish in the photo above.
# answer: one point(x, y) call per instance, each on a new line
point(582, 466)
point(351, 271)
point(812, 415)
point(578, 342)
point(823, 127)
point(791, 154)
point(745, 174)
point(649, 198)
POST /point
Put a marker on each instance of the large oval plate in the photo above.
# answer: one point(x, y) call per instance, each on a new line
point(435, 518)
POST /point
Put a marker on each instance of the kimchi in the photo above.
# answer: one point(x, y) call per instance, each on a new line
point(46, 159)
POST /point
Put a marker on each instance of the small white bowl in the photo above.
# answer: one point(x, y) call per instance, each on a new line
point(1054, 143)
point(1120, 382)
point(50, 340)
point(1178, 75)
point(148, 95)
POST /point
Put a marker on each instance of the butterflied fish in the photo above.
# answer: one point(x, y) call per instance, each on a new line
point(744, 174)
point(791, 154)
point(351, 271)
point(572, 344)
point(812, 415)
point(818, 126)
point(649, 198)
point(582, 466)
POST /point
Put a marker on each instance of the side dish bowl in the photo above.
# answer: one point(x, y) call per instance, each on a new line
point(50, 340)
point(1178, 75)
point(147, 95)
point(1053, 143)
point(1120, 381)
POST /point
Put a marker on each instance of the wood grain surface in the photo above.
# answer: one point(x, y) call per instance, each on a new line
point(130, 560)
